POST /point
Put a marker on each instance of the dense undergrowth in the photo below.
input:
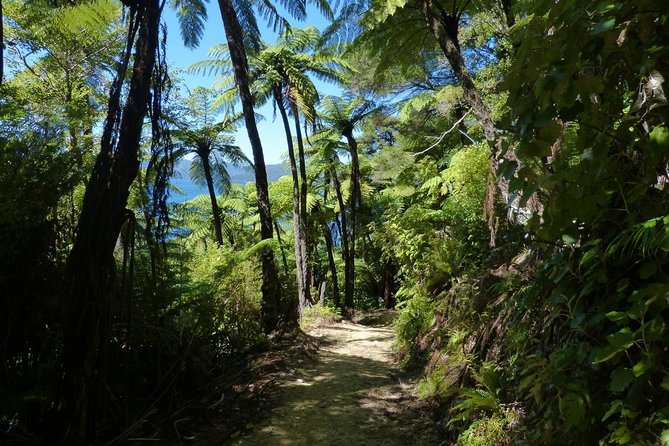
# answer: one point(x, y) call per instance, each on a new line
point(560, 337)
point(496, 171)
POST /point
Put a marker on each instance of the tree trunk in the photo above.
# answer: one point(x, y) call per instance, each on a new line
point(304, 241)
point(300, 264)
point(508, 13)
point(349, 265)
point(439, 22)
point(355, 206)
point(451, 49)
point(283, 252)
point(270, 283)
point(389, 285)
point(216, 212)
point(83, 393)
point(327, 234)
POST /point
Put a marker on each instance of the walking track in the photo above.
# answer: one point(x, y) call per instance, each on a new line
point(354, 394)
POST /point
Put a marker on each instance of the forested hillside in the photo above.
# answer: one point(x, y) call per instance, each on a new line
point(495, 170)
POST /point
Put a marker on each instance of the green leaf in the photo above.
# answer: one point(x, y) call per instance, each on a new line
point(507, 169)
point(642, 367)
point(664, 437)
point(538, 148)
point(604, 25)
point(615, 408)
point(660, 137)
point(623, 338)
point(568, 239)
point(620, 380)
point(618, 342)
point(616, 316)
point(665, 383)
point(654, 330)
point(647, 270)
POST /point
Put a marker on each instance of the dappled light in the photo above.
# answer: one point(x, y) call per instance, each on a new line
point(354, 394)
point(315, 222)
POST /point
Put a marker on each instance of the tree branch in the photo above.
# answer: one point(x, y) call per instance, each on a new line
point(443, 135)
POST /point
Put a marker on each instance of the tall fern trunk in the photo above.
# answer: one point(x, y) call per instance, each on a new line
point(83, 393)
point(216, 212)
point(327, 235)
point(349, 265)
point(355, 207)
point(329, 245)
point(270, 282)
point(300, 264)
point(304, 241)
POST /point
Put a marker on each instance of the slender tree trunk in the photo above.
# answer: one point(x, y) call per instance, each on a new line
point(151, 244)
point(302, 284)
point(349, 265)
point(355, 206)
point(327, 234)
point(270, 286)
point(216, 212)
point(389, 285)
point(83, 388)
point(283, 252)
point(304, 241)
point(508, 13)
point(444, 28)
point(451, 49)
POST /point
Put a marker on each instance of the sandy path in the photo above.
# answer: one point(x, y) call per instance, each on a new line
point(353, 395)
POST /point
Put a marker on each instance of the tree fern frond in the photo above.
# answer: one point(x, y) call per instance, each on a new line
point(196, 172)
point(192, 15)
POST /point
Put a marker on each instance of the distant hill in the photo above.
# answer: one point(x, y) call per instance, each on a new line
point(238, 175)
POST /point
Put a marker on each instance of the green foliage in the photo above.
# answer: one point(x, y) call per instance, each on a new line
point(319, 315)
point(224, 300)
point(415, 319)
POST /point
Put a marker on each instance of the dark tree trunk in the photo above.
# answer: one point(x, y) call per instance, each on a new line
point(442, 26)
point(304, 241)
point(349, 265)
point(355, 207)
point(449, 44)
point(300, 265)
point(389, 285)
point(329, 245)
point(508, 13)
point(216, 212)
point(270, 283)
point(283, 252)
point(82, 393)
point(151, 243)
point(327, 234)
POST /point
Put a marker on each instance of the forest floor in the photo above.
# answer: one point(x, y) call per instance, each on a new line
point(354, 393)
point(338, 384)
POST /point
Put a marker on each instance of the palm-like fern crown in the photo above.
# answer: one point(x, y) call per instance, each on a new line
point(210, 141)
point(192, 16)
point(339, 116)
point(285, 69)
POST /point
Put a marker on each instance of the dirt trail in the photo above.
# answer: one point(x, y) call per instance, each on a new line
point(354, 394)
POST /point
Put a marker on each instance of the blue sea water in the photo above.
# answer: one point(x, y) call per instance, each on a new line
point(189, 189)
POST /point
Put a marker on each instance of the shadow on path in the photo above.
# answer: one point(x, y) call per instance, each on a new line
point(353, 395)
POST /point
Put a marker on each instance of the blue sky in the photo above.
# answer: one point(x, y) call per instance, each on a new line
point(179, 57)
